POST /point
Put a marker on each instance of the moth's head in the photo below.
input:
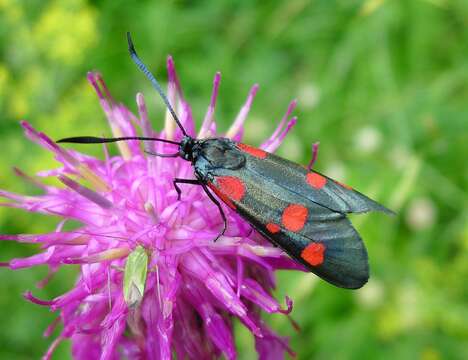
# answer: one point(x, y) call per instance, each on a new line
point(186, 148)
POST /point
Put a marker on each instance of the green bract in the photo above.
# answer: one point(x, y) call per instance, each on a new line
point(135, 272)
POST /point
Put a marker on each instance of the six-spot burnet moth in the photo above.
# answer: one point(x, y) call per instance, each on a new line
point(298, 209)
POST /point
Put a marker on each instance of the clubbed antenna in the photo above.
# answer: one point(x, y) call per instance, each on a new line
point(153, 80)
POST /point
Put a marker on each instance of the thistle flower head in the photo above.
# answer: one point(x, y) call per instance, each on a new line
point(152, 282)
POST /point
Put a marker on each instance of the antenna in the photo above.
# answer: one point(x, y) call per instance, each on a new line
point(100, 140)
point(153, 81)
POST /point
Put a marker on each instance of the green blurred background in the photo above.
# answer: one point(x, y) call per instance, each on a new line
point(383, 85)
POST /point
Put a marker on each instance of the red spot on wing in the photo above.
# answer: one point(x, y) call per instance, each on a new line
point(273, 228)
point(223, 197)
point(315, 180)
point(232, 186)
point(261, 154)
point(228, 189)
point(313, 254)
point(294, 217)
point(344, 185)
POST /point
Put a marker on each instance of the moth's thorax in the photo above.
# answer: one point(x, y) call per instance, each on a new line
point(216, 153)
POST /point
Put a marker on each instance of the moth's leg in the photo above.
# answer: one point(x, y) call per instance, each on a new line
point(183, 181)
point(210, 195)
point(216, 202)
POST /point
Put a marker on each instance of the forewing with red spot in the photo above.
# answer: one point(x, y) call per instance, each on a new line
point(302, 212)
point(323, 240)
point(313, 186)
point(319, 238)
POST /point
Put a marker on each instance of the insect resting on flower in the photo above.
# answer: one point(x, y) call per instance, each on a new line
point(136, 269)
point(298, 209)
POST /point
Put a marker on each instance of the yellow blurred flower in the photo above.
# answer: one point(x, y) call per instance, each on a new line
point(66, 30)
point(4, 75)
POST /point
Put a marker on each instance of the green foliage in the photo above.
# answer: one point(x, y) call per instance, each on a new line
point(382, 85)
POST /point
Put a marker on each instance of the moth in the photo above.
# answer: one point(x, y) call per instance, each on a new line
point(301, 211)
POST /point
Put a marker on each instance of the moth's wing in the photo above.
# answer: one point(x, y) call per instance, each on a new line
point(311, 185)
point(321, 239)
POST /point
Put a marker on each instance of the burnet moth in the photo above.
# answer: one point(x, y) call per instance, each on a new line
point(298, 209)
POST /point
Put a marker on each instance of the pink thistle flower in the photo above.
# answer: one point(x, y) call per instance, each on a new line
point(193, 288)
